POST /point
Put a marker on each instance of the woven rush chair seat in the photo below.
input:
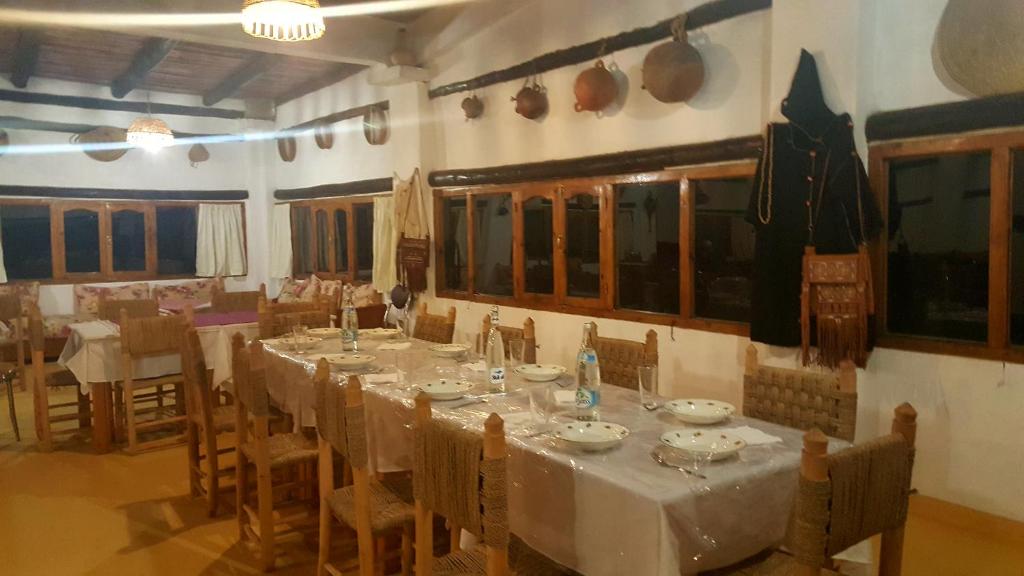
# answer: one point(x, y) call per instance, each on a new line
point(111, 309)
point(389, 510)
point(285, 449)
point(224, 418)
point(247, 301)
point(463, 563)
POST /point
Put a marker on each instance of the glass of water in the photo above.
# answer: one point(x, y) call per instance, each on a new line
point(516, 350)
point(648, 386)
point(298, 336)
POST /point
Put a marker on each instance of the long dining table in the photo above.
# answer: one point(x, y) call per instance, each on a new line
point(599, 513)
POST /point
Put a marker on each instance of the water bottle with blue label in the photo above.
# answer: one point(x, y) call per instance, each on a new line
point(495, 355)
point(588, 378)
point(349, 321)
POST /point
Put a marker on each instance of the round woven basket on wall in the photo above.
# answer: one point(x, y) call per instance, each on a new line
point(980, 44)
point(103, 135)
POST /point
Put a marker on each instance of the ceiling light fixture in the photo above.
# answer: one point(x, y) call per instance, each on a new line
point(283, 20)
point(150, 133)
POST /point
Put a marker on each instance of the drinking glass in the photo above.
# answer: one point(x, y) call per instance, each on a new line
point(516, 350)
point(472, 341)
point(648, 377)
point(298, 334)
point(541, 404)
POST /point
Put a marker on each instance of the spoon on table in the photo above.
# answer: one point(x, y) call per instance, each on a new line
point(659, 457)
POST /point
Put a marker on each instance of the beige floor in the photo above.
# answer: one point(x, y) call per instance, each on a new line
point(73, 512)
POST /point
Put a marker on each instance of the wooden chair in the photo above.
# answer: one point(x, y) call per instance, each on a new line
point(367, 506)
point(143, 338)
point(508, 333)
point(278, 319)
point(12, 360)
point(111, 309)
point(371, 316)
point(47, 376)
point(800, 398)
point(224, 302)
point(475, 462)
point(206, 421)
point(620, 359)
point(286, 456)
point(433, 327)
point(844, 498)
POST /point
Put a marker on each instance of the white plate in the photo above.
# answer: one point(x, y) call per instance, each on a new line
point(706, 444)
point(700, 410)
point(449, 350)
point(290, 341)
point(380, 333)
point(540, 372)
point(446, 389)
point(349, 361)
point(324, 332)
point(591, 436)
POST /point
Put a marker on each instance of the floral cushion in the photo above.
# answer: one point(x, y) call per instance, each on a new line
point(364, 295)
point(58, 326)
point(330, 289)
point(28, 293)
point(191, 291)
point(87, 298)
point(298, 290)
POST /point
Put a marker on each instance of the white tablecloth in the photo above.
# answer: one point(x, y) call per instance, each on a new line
point(609, 513)
point(93, 353)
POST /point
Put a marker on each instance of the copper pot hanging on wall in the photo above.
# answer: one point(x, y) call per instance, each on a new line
point(473, 107)
point(323, 133)
point(198, 154)
point(286, 148)
point(5, 141)
point(595, 88)
point(674, 71)
point(531, 102)
point(103, 135)
point(375, 126)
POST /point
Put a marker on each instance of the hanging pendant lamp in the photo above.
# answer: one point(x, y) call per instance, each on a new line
point(283, 20)
point(149, 133)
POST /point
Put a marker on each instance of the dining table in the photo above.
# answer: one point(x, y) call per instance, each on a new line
point(93, 354)
point(615, 511)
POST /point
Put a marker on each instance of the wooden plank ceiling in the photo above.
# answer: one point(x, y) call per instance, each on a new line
point(100, 57)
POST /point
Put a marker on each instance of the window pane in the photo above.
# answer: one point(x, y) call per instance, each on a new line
point(128, 232)
point(1017, 253)
point(938, 247)
point(82, 241)
point(364, 242)
point(25, 233)
point(302, 250)
point(456, 245)
point(340, 241)
point(323, 244)
point(647, 246)
point(723, 248)
point(539, 248)
point(492, 245)
point(583, 246)
point(176, 240)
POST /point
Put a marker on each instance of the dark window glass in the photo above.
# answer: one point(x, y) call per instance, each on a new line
point(647, 246)
point(492, 244)
point(723, 249)
point(176, 240)
point(323, 244)
point(1017, 252)
point(938, 247)
point(583, 246)
point(539, 248)
point(82, 241)
point(128, 235)
point(364, 242)
point(340, 241)
point(456, 245)
point(25, 233)
point(302, 232)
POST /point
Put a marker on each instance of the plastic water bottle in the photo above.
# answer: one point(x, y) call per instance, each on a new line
point(349, 322)
point(495, 355)
point(588, 378)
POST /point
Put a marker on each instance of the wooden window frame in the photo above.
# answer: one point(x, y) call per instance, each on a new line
point(604, 190)
point(105, 209)
point(1000, 144)
point(329, 206)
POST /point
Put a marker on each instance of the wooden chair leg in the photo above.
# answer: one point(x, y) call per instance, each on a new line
point(192, 453)
point(324, 553)
point(407, 537)
point(129, 415)
point(84, 414)
point(119, 421)
point(42, 411)
point(241, 491)
point(11, 407)
point(212, 479)
point(265, 502)
point(379, 557)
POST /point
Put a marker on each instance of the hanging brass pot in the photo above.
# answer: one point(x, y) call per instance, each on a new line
point(531, 101)
point(198, 154)
point(473, 107)
point(103, 135)
point(595, 88)
point(323, 133)
point(286, 148)
point(674, 71)
point(375, 126)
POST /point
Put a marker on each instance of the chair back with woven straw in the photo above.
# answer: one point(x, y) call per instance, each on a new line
point(800, 398)
point(249, 378)
point(198, 392)
point(224, 302)
point(621, 359)
point(371, 316)
point(853, 494)
point(278, 319)
point(434, 327)
point(461, 475)
point(111, 309)
point(527, 334)
point(151, 336)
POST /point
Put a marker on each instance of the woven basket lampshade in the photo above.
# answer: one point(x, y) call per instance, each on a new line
point(283, 20)
point(150, 133)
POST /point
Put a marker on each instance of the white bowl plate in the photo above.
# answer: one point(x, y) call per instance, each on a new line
point(591, 436)
point(324, 332)
point(380, 333)
point(449, 350)
point(540, 372)
point(446, 389)
point(349, 361)
point(700, 410)
point(704, 444)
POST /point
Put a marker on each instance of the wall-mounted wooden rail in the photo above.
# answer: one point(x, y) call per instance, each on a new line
point(90, 103)
point(371, 186)
point(121, 194)
point(993, 112)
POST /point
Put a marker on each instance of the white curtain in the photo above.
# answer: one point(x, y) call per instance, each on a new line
point(385, 244)
point(281, 242)
point(3, 269)
point(220, 242)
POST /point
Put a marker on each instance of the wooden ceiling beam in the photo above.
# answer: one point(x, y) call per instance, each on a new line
point(26, 55)
point(254, 68)
point(146, 59)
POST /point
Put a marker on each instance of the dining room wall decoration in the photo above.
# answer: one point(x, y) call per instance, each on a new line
point(674, 71)
point(595, 88)
point(531, 101)
point(102, 135)
point(198, 154)
point(375, 126)
point(472, 107)
point(286, 148)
